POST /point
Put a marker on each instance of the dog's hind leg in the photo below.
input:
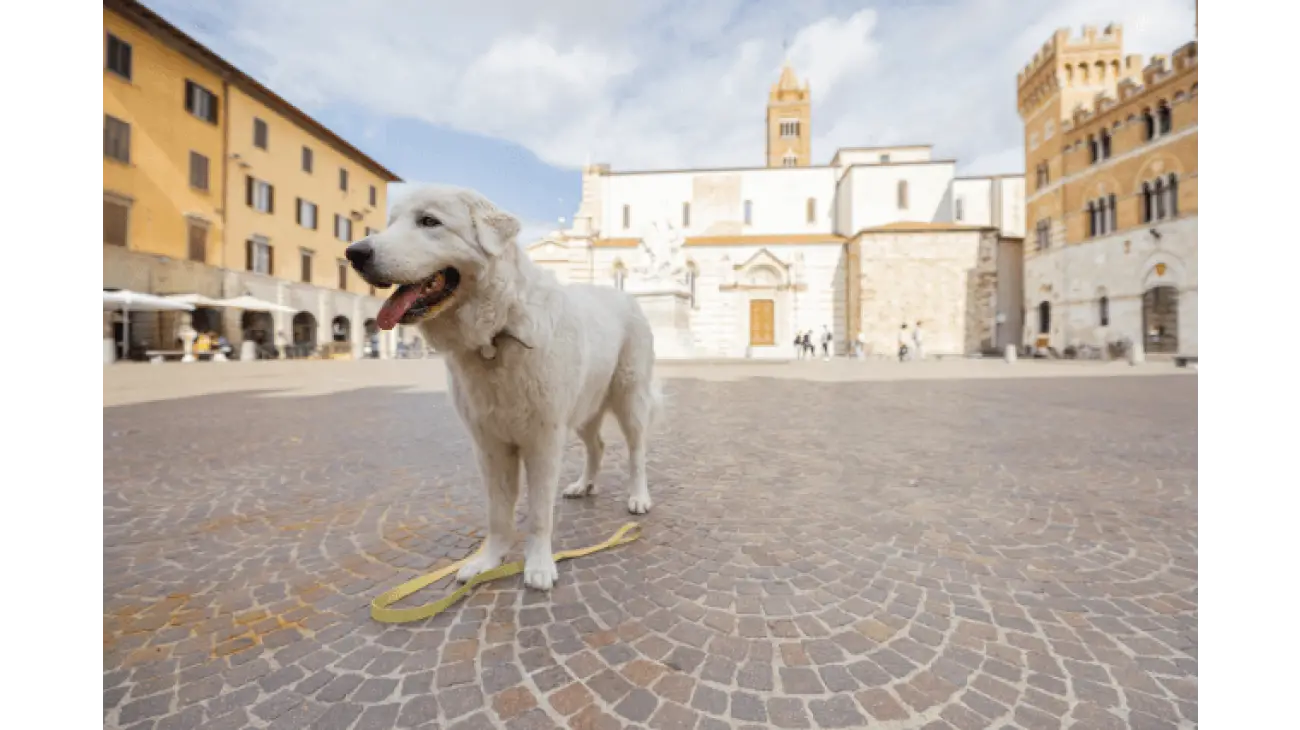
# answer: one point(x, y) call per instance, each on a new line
point(633, 406)
point(542, 460)
point(595, 446)
point(499, 464)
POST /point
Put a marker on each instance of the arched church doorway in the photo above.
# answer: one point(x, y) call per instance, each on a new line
point(1160, 320)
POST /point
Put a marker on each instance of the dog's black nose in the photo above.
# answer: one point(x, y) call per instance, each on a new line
point(360, 253)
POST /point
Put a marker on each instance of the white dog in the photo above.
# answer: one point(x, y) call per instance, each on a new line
point(529, 359)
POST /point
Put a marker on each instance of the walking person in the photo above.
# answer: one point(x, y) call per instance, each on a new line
point(828, 339)
point(918, 352)
point(902, 343)
point(809, 348)
point(798, 346)
point(861, 346)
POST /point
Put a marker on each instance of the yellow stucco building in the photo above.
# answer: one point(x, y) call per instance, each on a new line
point(1111, 194)
point(215, 185)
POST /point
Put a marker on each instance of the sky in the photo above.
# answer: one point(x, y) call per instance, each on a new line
point(513, 97)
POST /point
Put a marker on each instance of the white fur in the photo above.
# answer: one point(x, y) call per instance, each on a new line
point(589, 351)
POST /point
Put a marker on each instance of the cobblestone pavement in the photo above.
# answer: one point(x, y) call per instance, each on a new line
point(960, 554)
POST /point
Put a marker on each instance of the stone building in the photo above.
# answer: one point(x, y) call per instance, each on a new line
point(1111, 148)
point(215, 185)
point(878, 237)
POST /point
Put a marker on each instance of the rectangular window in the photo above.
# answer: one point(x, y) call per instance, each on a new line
point(304, 260)
point(200, 102)
point(902, 195)
point(811, 211)
point(306, 214)
point(343, 274)
point(343, 179)
point(306, 160)
point(374, 196)
point(789, 128)
point(1043, 233)
point(749, 212)
point(116, 214)
point(260, 258)
point(261, 135)
point(198, 241)
point(686, 215)
point(789, 161)
point(884, 159)
point(1112, 221)
point(627, 217)
point(259, 194)
point(959, 209)
point(198, 171)
point(342, 227)
point(117, 139)
point(117, 57)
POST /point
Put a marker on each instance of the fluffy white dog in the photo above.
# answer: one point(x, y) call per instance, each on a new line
point(529, 359)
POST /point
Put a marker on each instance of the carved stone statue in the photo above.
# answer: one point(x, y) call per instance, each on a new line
point(186, 334)
point(659, 255)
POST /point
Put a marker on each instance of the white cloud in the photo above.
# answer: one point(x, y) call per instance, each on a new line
point(664, 83)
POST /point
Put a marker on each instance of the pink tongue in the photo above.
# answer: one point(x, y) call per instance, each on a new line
point(397, 305)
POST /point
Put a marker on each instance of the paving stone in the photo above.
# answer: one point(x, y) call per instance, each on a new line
point(799, 591)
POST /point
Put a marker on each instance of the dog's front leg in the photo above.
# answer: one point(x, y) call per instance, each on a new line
point(499, 463)
point(542, 464)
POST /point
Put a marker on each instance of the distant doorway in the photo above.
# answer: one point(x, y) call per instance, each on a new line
point(1160, 320)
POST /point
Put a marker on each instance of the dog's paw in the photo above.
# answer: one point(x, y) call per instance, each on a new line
point(639, 504)
point(541, 574)
point(479, 563)
point(580, 488)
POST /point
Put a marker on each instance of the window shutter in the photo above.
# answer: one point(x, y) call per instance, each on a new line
point(189, 96)
point(216, 103)
point(270, 260)
point(297, 211)
point(248, 190)
point(270, 198)
point(248, 254)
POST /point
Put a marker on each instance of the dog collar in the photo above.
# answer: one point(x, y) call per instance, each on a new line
point(489, 351)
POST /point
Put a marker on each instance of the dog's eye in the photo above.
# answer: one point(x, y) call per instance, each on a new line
point(428, 221)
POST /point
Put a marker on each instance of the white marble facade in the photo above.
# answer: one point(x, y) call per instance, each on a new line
point(786, 236)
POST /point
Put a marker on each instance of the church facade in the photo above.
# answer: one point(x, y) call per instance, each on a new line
point(877, 238)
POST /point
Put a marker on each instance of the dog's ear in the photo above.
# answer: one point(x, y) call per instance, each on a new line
point(494, 229)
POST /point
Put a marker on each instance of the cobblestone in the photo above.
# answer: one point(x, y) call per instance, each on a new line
point(930, 553)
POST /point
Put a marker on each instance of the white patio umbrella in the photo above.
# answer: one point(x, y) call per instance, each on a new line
point(253, 304)
point(128, 301)
point(197, 300)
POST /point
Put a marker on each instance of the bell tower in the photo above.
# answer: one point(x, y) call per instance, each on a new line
point(789, 122)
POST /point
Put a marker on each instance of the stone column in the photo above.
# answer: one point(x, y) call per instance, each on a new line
point(358, 334)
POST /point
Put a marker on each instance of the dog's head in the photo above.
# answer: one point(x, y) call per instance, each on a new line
point(439, 243)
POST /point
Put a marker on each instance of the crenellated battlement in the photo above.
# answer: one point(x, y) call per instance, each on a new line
point(1062, 44)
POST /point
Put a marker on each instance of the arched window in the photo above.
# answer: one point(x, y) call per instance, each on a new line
point(1146, 202)
point(1173, 195)
point(1105, 144)
point(1148, 125)
point(1103, 310)
point(1166, 118)
point(1092, 219)
point(1160, 199)
point(1101, 70)
point(1112, 222)
point(1092, 149)
point(1083, 72)
point(620, 275)
point(902, 195)
point(1044, 318)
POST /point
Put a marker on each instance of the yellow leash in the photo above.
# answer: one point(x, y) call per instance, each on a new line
point(381, 610)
